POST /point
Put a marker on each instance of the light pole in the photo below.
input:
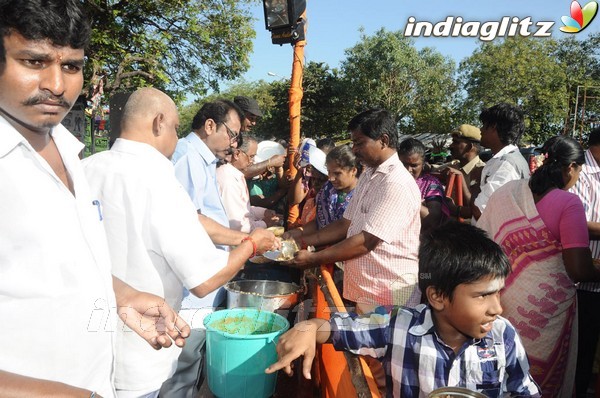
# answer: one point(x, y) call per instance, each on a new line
point(286, 20)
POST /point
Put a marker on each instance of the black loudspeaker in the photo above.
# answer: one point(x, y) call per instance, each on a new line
point(116, 104)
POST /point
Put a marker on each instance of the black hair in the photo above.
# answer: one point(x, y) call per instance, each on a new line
point(560, 152)
point(374, 123)
point(594, 137)
point(62, 22)
point(217, 110)
point(325, 144)
point(457, 253)
point(344, 157)
point(411, 146)
point(508, 120)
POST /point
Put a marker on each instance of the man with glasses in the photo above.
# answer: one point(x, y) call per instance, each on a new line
point(234, 191)
point(215, 130)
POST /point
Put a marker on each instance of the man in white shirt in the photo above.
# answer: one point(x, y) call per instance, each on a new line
point(234, 190)
point(502, 128)
point(156, 241)
point(53, 256)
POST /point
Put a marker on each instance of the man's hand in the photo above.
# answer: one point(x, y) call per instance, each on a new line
point(304, 259)
point(265, 240)
point(149, 316)
point(294, 234)
point(301, 340)
point(272, 219)
point(276, 161)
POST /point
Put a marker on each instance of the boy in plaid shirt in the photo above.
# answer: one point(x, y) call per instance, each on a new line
point(457, 339)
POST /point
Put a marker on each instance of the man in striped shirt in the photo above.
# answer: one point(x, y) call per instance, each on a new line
point(588, 293)
point(378, 237)
point(458, 339)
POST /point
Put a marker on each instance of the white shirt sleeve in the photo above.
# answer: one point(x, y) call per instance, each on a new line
point(500, 172)
point(182, 240)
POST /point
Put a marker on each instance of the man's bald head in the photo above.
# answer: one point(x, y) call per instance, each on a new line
point(150, 116)
point(145, 103)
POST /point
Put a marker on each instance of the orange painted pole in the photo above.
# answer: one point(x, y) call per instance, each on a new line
point(295, 104)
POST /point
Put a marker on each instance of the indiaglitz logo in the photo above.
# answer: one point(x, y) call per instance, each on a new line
point(485, 31)
point(580, 17)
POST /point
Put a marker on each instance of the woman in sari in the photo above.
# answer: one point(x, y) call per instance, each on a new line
point(542, 229)
point(434, 209)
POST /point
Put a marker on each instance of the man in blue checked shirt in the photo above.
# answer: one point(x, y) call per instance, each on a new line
point(458, 339)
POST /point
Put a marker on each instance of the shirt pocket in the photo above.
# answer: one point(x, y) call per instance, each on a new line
point(491, 384)
point(486, 378)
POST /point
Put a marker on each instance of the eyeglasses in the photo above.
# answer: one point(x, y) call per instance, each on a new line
point(250, 158)
point(232, 134)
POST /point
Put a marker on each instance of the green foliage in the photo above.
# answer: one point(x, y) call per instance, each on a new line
point(325, 111)
point(581, 61)
point(386, 70)
point(424, 91)
point(261, 91)
point(184, 47)
point(324, 108)
point(520, 71)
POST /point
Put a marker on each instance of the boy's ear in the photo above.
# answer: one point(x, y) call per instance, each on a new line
point(435, 298)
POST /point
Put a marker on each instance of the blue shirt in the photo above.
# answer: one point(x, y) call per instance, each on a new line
point(417, 361)
point(196, 170)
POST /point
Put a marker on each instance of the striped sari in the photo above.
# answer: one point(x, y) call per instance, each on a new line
point(539, 298)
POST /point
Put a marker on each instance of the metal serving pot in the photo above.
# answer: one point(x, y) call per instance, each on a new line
point(265, 295)
point(455, 392)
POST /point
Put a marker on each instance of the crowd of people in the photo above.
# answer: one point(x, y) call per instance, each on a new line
point(492, 288)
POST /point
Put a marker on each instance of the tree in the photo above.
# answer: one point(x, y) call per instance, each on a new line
point(581, 61)
point(521, 71)
point(386, 70)
point(184, 47)
point(325, 108)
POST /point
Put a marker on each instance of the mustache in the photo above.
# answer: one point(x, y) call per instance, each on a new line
point(40, 98)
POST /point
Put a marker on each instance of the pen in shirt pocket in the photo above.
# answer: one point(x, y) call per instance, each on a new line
point(97, 204)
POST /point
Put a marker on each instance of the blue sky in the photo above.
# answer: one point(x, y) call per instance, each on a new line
point(333, 26)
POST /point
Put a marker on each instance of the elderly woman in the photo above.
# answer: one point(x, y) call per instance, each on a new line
point(542, 229)
point(434, 209)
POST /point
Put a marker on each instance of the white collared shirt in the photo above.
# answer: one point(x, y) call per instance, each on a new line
point(236, 200)
point(156, 243)
point(56, 289)
point(496, 173)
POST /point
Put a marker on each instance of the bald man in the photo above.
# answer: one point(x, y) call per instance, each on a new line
point(156, 241)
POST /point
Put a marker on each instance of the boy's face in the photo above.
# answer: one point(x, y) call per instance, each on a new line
point(473, 309)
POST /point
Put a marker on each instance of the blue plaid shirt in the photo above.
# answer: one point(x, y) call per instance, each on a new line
point(417, 361)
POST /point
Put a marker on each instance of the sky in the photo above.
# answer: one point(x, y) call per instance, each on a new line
point(333, 27)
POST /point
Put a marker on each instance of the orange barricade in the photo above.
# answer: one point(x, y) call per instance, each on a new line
point(340, 374)
point(455, 180)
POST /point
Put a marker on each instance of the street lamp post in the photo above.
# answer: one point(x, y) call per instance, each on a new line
point(286, 20)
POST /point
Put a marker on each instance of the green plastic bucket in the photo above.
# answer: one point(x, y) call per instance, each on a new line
point(240, 344)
